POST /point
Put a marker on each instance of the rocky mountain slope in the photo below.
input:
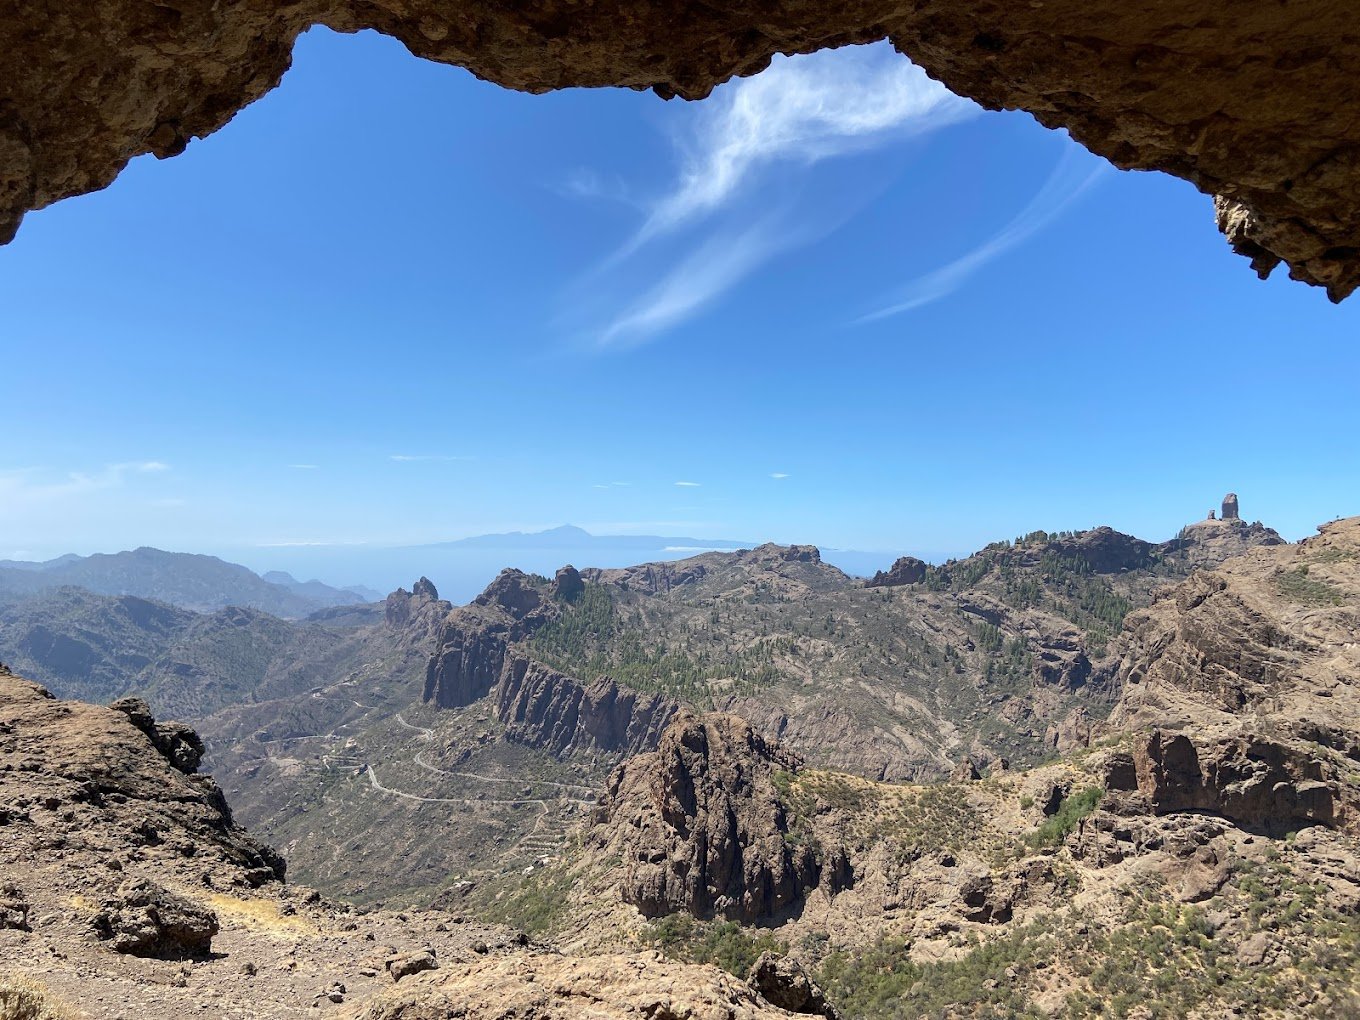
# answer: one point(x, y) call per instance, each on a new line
point(1006, 654)
point(499, 721)
point(189, 581)
point(126, 889)
point(1194, 852)
point(1201, 858)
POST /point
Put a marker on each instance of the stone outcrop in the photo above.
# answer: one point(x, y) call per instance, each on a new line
point(700, 826)
point(905, 570)
point(1105, 551)
point(1253, 781)
point(1230, 508)
point(547, 709)
point(143, 919)
point(91, 777)
point(622, 987)
point(1252, 106)
point(567, 585)
point(182, 747)
point(1210, 542)
point(473, 640)
point(784, 983)
point(1244, 678)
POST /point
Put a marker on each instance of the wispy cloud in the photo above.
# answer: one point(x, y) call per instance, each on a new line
point(411, 458)
point(29, 487)
point(303, 467)
point(708, 272)
point(801, 109)
point(778, 475)
point(1075, 171)
point(586, 183)
point(688, 485)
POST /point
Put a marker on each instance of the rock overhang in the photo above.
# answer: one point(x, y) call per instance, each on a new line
point(1251, 104)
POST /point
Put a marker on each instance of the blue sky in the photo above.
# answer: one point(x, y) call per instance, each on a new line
point(390, 303)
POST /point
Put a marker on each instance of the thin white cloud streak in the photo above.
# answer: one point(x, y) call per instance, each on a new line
point(585, 183)
point(801, 109)
point(20, 490)
point(688, 485)
point(415, 458)
point(303, 467)
point(1070, 179)
point(778, 475)
point(708, 272)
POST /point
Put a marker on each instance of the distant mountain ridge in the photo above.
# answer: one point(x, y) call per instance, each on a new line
point(569, 536)
point(192, 581)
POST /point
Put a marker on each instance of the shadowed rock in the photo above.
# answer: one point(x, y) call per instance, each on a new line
point(1253, 104)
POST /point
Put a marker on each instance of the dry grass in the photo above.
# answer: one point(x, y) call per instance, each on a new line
point(259, 915)
point(22, 998)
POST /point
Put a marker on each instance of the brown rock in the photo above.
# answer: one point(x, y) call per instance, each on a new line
point(784, 983)
point(410, 963)
point(700, 826)
point(572, 988)
point(1254, 107)
point(905, 570)
point(143, 919)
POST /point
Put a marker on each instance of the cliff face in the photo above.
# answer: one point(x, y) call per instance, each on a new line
point(472, 641)
point(544, 708)
point(479, 653)
point(700, 825)
point(1248, 678)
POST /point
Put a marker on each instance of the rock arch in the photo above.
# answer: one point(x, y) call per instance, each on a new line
point(1252, 103)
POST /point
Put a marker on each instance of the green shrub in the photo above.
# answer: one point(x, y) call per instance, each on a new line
point(1059, 826)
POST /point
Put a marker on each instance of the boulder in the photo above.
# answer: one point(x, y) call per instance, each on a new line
point(784, 983)
point(142, 918)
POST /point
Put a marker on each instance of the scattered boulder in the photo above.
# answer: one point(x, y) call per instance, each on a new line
point(13, 907)
point(410, 963)
point(784, 983)
point(143, 919)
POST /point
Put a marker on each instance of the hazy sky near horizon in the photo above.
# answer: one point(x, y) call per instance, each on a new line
point(392, 304)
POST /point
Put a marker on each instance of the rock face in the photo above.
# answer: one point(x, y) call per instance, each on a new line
point(143, 919)
point(473, 640)
point(544, 708)
point(905, 570)
point(700, 825)
point(94, 778)
point(785, 984)
point(1230, 511)
point(179, 743)
point(1105, 550)
point(620, 987)
point(1253, 107)
point(1255, 782)
point(1244, 678)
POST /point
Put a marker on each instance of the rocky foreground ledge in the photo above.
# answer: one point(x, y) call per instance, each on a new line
point(127, 890)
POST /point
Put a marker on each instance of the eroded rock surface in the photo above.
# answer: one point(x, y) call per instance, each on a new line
point(701, 827)
point(144, 919)
point(1252, 104)
point(616, 987)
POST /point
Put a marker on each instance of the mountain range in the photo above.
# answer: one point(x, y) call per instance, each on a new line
point(1073, 774)
point(188, 580)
